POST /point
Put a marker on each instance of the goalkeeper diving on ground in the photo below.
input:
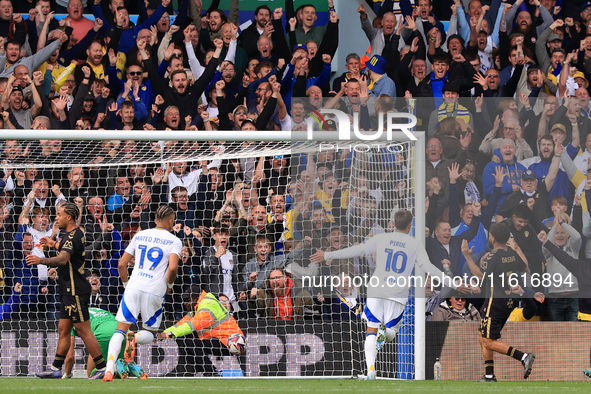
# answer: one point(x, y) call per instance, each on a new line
point(209, 329)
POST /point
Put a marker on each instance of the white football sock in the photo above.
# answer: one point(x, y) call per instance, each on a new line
point(114, 349)
point(370, 350)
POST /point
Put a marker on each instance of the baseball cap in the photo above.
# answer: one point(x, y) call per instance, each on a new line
point(587, 4)
point(89, 96)
point(300, 46)
point(89, 272)
point(558, 126)
point(533, 68)
point(377, 64)
point(16, 89)
point(529, 174)
point(579, 74)
point(331, 124)
point(238, 108)
point(554, 37)
point(248, 120)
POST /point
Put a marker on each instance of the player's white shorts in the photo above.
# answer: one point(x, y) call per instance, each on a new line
point(135, 303)
point(381, 310)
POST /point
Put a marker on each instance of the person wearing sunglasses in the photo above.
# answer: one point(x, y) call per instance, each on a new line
point(456, 308)
point(135, 73)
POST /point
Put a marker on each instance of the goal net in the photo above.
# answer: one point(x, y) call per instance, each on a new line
point(280, 201)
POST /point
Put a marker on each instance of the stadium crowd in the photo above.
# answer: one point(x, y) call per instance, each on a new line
point(502, 93)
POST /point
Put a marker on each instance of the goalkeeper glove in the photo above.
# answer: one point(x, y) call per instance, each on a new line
point(180, 331)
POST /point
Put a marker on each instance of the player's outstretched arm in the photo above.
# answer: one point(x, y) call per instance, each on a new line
point(467, 252)
point(198, 322)
point(362, 249)
point(122, 267)
point(317, 257)
point(59, 260)
point(424, 262)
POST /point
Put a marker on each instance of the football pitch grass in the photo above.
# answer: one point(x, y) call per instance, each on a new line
point(316, 386)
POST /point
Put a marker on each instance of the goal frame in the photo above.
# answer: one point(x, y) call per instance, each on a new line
point(418, 157)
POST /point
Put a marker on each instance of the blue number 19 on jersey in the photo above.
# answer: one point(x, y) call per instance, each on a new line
point(392, 262)
point(155, 260)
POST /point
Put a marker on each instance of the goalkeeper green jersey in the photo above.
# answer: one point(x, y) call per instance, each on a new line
point(97, 317)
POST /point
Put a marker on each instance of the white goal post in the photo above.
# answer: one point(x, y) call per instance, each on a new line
point(277, 143)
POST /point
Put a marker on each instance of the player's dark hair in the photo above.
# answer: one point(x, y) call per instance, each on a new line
point(500, 232)
point(163, 212)
point(72, 210)
point(522, 212)
point(402, 219)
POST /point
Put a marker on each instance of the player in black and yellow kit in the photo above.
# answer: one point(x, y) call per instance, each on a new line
point(495, 272)
point(74, 291)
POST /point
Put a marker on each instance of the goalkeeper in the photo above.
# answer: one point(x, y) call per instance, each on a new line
point(102, 325)
point(211, 322)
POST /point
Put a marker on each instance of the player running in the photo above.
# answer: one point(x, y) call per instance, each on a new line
point(211, 321)
point(498, 305)
point(74, 291)
point(156, 252)
point(397, 254)
point(103, 325)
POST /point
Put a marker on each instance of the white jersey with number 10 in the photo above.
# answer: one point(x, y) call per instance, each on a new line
point(396, 254)
point(151, 250)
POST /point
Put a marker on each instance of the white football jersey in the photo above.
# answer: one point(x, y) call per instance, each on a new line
point(42, 269)
point(396, 255)
point(151, 249)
